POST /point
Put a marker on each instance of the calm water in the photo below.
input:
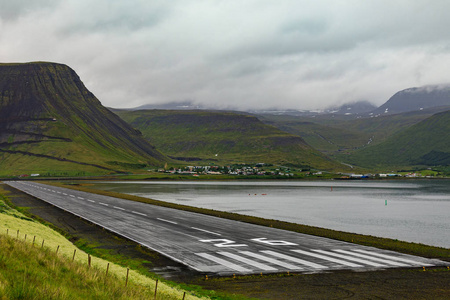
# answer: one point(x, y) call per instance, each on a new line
point(416, 210)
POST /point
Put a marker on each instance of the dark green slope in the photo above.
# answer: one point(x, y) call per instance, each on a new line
point(426, 143)
point(50, 123)
point(224, 137)
point(335, 135)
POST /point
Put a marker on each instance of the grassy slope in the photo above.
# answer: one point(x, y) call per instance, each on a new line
point(234, 138)
point(32, 95)
point(426, 143)
point(29, 272)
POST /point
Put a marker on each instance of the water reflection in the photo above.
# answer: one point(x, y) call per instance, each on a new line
point(416, 210)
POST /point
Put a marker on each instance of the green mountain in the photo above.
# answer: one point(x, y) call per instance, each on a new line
point(426, 143)
point(335, 135)
point(223, 137)
point(51, 124)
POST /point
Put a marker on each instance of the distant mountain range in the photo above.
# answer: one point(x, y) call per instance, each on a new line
point(414, 99)
point(50, 123)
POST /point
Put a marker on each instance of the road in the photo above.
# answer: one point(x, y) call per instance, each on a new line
point(219, 246)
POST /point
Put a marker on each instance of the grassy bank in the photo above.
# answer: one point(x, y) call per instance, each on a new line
point(383, 243)
point(36, 262)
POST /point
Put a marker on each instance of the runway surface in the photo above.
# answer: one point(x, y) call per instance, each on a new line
point(219, 246)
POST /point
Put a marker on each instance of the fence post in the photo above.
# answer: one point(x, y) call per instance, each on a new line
point(25, 237)
point(89, 260)
point(42, 246)
point(156, 288)
point(34, 239)
point(57, 249)
point(107, 269)
point(73, 257)
point(184, 295)
point(126, 281)
point(17, 233)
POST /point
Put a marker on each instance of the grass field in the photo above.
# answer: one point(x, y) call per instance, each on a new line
point(36, 263)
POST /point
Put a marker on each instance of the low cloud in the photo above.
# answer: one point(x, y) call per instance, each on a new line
point(235, 54)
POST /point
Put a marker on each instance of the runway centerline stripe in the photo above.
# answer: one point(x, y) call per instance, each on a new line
point(355, 259)
point(295, 259)
point(101, 203)
point(248, 261)
point(339, 261)
point(167, 221)
point(91, 201)
point(116, 207)
point(388, 262)
point(271, 260)
point(223, 262)
point(395, 258)
point(138, 213)
point(205, 230)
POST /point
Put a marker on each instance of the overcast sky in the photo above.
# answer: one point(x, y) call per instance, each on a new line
point(231, 54)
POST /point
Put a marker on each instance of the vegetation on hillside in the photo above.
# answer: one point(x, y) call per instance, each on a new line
point(223, 138)
point(50, 123)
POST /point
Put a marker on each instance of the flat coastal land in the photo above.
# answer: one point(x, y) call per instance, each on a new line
point(415, 283)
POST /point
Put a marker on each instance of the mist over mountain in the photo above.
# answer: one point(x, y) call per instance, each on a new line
point(416, 98)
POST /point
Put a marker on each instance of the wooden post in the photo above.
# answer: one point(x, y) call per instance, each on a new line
point(34, 239)
point(42, 246)
point(74, 251)
point(126, 281)
point(107, 269)
point(89, 260)
point(57, 249)
point(184, 295)
point(7, 231)
point(156, 288)
point(25, 237)
point(17, 233)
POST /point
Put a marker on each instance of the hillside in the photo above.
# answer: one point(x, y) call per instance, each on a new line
point(426, 143)
point(223, 137)
point(414, 99)
point(334, 135)
point(51, 124)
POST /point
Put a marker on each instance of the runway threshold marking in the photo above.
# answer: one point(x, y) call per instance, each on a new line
point(355, 259)
point(248, 261)
point(385, 261)
point(224, 262)
point(271, 260)
point(294, 259)
point(339, 261)
point(395, 258)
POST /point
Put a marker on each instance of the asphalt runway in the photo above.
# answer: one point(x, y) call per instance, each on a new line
point(219, 246)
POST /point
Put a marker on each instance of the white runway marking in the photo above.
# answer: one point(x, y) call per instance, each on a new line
point(358, 260)
point(342, 262)
point(116, 207)
point(385, 261)
point(223, 262)
point(248, 261)
point(91, 201)
point(395, 258)
point(205, 230)
point(101, 203)
point(295, 259)
point(271, 260)
point(138, 213)
point(167, 221)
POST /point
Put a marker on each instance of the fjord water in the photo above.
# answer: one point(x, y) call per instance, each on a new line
point(408, 210)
